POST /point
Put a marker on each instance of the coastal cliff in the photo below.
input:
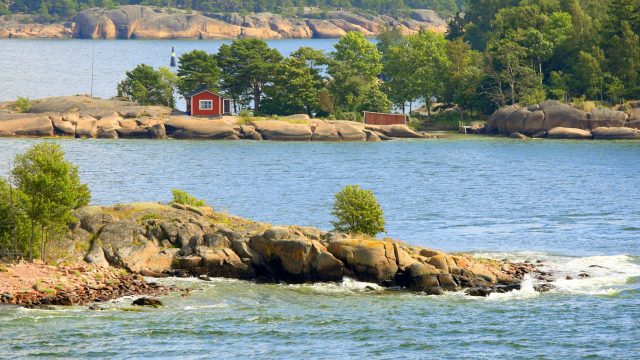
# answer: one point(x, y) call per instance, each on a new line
point(85, 117)
point(135, 21)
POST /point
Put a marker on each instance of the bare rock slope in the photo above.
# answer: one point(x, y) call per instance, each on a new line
point(136, 21)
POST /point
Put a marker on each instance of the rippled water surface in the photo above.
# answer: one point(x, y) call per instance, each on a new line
point(571, 204)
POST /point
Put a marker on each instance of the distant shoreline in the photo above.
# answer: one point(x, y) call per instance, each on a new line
point(145, 22)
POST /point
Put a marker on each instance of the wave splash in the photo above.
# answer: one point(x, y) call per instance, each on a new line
point(590, 275)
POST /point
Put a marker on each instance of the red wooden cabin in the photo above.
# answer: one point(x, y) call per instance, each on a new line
point(202, 102)
point(374, 118)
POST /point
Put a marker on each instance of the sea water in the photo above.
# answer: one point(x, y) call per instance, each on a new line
point(572, 205)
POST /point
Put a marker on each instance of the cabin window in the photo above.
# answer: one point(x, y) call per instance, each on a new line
point(206, 104)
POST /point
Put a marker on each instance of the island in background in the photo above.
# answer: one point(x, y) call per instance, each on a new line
point(136, 21)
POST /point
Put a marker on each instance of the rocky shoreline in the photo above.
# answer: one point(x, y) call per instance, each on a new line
point(138, 22)
point(555, 120)
point(85, 117)
point(159, 240)
point(114, 247)
point(36, 285)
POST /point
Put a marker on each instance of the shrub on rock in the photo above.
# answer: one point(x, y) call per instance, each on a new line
point(357, 212)
point(184, 198)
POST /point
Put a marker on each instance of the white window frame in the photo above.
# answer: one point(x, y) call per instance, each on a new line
point(208, 102)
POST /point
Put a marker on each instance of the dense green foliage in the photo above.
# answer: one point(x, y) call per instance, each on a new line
point(357, 212)
point(501, 52)
point(562, 49)
point(148, 86)
point(50, 9)
point(247, 66)
point(38, 201)
point(184, 198)
point(197, 68)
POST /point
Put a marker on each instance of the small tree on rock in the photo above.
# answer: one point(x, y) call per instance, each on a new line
point(357, 212)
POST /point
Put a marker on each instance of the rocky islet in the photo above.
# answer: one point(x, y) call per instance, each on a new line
point(85, 117)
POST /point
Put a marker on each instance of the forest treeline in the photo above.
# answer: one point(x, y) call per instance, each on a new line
point(569, 50)
point(60, 9)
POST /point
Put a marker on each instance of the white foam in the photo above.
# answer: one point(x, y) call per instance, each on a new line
point(526, 290)
point(347, 285)
point(210, 306)
point(607, 275)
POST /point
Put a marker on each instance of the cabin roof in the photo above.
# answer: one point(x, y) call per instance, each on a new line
point(200, 89)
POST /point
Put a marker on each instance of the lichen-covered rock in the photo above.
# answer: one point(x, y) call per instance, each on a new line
point(616, 133)
point(370, 260)
point(568, 133)
point(25, 125)
point(606, 118)
point(282, 130)
point(324, 131)
point(191, 128)
point(558, 114)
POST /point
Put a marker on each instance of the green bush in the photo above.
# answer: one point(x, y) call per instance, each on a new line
point(184, 198)
point(23, 104)
point(357, 212)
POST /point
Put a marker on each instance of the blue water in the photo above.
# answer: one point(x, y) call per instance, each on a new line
point(573, 204)
point(41, 68)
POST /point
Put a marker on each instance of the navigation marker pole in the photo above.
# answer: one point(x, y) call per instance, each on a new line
point(93, 56)
point(174, 58)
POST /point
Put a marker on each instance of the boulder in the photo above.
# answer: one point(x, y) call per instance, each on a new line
point(25, 125)
point(606, 118)
point(247, 131)
point(294, 258)
point(145, 301)
point(157, 131)
point(86, 127)
point(108, 134)
point(372, 136)
point(568, 133)
point(224, 263)
point(370, 260)
point(282, 130)
point(514, 122)
point(107, 123)
point(324, 131)
point(349, 132)
point(125, 245)
point(64, 128)
point(136, 133)
point(558, 114)
point(633, 124)
point(533, 122)
point(127, 123)
point(191, 128)
point(616, 133)
point(423, 277)
point(396, 131)
point(499, 118)
point(518, 136)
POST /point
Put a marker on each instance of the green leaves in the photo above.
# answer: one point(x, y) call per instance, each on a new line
point(47, 190)
point(148, 86)
point(247, 66)
point(357, 212)
point(198, 68)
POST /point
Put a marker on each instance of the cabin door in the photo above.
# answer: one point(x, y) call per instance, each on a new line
point(226, 107)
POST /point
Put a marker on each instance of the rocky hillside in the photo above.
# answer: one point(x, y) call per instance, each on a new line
point(135, 21)
point(85, 117)
point(158, 240)
point(553, 119)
